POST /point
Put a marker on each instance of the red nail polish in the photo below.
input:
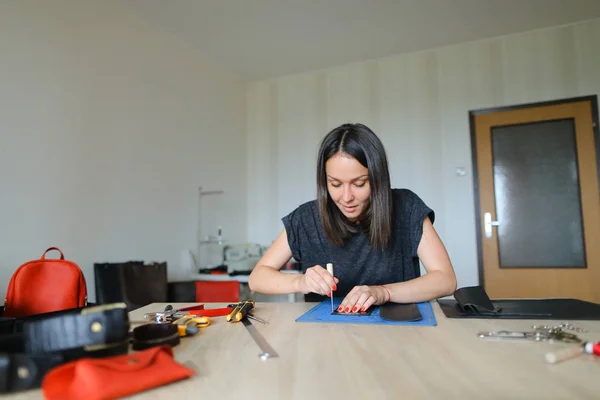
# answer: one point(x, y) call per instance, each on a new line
point(355, 309)
point(347, 309)
point(362, 309)
point(328, 294)
point(340, 309)
point(334, 287)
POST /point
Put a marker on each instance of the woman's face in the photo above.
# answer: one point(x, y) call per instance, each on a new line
point(348, 185)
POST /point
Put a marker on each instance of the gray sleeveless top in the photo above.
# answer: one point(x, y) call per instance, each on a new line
point(356, 263)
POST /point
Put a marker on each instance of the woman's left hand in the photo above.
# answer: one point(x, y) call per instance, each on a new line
point(360, 298)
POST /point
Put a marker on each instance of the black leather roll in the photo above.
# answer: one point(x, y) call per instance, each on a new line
point(151, 335)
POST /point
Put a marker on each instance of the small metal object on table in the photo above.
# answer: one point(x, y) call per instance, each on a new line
point(563, 326)
point(538, 334)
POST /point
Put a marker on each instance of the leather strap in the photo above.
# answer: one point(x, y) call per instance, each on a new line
point(150, 335)
point(212, 312)
point(76, 330)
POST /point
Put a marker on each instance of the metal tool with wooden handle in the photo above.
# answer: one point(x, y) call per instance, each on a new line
point(330, 270)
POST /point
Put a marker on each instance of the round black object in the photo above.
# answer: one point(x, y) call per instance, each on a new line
point(151, 335)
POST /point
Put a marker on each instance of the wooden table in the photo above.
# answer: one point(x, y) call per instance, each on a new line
point(343, 361)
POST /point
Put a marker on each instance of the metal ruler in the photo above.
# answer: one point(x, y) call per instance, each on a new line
point(266, 350)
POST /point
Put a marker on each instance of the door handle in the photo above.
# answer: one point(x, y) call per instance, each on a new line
point(488, 223)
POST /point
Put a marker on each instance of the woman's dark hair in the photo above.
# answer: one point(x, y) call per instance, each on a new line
point(359, 142)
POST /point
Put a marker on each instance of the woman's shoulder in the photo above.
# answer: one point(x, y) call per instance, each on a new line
point(303, 210)
point(407, 203)
point(302, 220)
point(406, 199)
point(403, 195)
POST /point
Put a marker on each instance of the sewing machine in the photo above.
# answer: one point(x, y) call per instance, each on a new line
point(242, 257)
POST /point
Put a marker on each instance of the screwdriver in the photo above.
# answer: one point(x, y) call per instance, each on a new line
point(330, 270)
point(240, 311)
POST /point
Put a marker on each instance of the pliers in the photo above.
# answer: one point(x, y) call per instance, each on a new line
point(169, 315)
point(234, 312)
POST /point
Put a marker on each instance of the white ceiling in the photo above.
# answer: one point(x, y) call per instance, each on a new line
point(258, 39)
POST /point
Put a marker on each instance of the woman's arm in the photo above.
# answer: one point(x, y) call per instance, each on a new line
point(266, 276)
point(439, 281)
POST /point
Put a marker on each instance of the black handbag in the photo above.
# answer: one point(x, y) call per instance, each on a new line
point(135, 283)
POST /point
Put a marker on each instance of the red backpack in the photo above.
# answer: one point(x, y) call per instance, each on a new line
point(45, 285)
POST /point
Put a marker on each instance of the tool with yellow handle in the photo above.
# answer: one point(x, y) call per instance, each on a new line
point(240, 310)
point(190, 325)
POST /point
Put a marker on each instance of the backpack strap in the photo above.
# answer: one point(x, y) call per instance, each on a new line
point(62, 256)
point(42, 342)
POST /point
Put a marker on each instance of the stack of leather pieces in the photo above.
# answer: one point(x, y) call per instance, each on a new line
point(32, 346)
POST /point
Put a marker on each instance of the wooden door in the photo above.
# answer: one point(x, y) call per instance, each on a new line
point(537, 199)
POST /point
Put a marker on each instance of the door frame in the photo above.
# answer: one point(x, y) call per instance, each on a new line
point(593, 99)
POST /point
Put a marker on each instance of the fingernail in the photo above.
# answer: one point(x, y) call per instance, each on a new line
point(328, 294)
point(362, 309)
point(355, 309)
point(334, 287)
point(347, 309)
point(340, 309)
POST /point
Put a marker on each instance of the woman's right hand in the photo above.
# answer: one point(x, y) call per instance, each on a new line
point(317, 280)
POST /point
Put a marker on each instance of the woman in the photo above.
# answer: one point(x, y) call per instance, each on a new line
point(373, 235)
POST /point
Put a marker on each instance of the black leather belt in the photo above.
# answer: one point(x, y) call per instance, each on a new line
point(151, 335)
point(31, 346)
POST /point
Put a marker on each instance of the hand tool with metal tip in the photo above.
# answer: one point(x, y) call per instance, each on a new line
point(330, 270)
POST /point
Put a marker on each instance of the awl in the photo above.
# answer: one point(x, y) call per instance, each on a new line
point(330, 270)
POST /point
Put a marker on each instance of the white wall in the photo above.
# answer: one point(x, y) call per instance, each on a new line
point(418, 104)
point(108, 126)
